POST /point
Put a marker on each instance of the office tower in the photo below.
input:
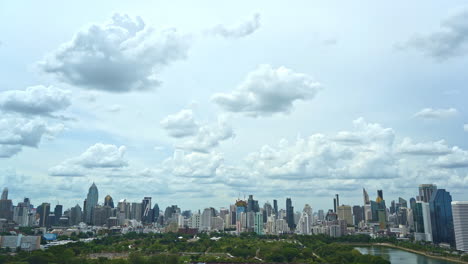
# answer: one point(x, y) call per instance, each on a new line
point(379, 195)
point(426, 191)
point(267, 211)
point(304, 224)
point(427, 221)
point(217, 223)
point(358, 213)
point(146, 207)
point(392, 207)
point(5, 194)
point(412, 203)
point(75, 215)
point(337, 200)
point(441, 217)
point(308, 210)
point(290, 214)
point(194, 221)
point(275, 208)
point(21, 214)
point(402, 202)
point(232, 215)
point(101, 214)
point(155, 212)
point(366, 196)
point(334, 205)
point(258, 223)
point(91, 202)
point(136, 211)
point(252, 205)
point(345, 213)
point(58, 213)
point(418, 217)
point(205, 223)
point(108, 201)
point(460, 224)
point(43, 210)
point(241, 207)
point(321, 215)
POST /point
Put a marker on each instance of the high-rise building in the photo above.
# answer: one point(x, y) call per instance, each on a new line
point(6, 206)
point(108, 201)
point(258, 223)
point(75, 215)
point(402, 202)
point(366, 196)
point(345, 213)
point(427, 221)
point(308, 210)
point(205, 223)
point(460, 224)
point(44, 210)
point(146, 207)
point(426, 191)
point(379, 195)
point(440, 206)
point(155, 212)
point(335, 205)
point(275, 208)
point(321, 215)
point(267, 211)
point(21, 214)
point(91, 202)
point(57, 213)
point(358, 213)
point(337, 200)
point(290, 214)
point(136, 211)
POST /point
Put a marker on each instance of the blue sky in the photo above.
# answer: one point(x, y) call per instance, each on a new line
point(194, 103)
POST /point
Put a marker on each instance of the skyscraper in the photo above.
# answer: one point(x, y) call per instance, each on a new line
point(440, 206)
point(57, 213)
point(44, 210)
point(345, 213)
point(275, 208)
point(358, 213)
point(155, 212)
point(460, 224)
point(366, 196)
point(5, 194)
point(146, 214)
point(290, 214)
point(91, 202)
point(75, 215)
point(426, 191)
point(379, 195)
point(108, 201)
point(6, 206)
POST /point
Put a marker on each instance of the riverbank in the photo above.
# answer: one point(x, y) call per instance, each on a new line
point(426, 254)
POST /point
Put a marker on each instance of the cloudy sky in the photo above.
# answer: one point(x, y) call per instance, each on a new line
point(197, 104)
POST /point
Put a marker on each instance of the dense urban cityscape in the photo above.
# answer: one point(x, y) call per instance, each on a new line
point(430, 216)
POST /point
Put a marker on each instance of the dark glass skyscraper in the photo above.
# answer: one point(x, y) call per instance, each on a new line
point(290, 214)
point(275, 208)
point(91, 202)
point(426, 191)
point(441, 217)
point(108, 201)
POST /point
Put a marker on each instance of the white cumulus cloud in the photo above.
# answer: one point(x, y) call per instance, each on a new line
point(119, 56)
point(426, 148)
point(181, 124)
point(241, 30)
point(450, 40)
point(268, 90)
point(440, 113)
point(35, 100)
point(98, 156)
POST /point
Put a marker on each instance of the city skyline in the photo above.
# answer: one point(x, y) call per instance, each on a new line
point(303, 100)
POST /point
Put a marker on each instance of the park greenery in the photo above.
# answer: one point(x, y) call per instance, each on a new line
point(214, 247)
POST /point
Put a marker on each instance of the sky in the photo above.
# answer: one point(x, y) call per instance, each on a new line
point(200, 103)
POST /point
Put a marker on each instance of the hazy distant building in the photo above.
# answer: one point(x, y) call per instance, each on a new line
point(43, 211)
point(6, 206)
point(358, 213)
point(460, 223)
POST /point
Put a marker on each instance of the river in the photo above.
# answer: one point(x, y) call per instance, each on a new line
point(397, 256)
